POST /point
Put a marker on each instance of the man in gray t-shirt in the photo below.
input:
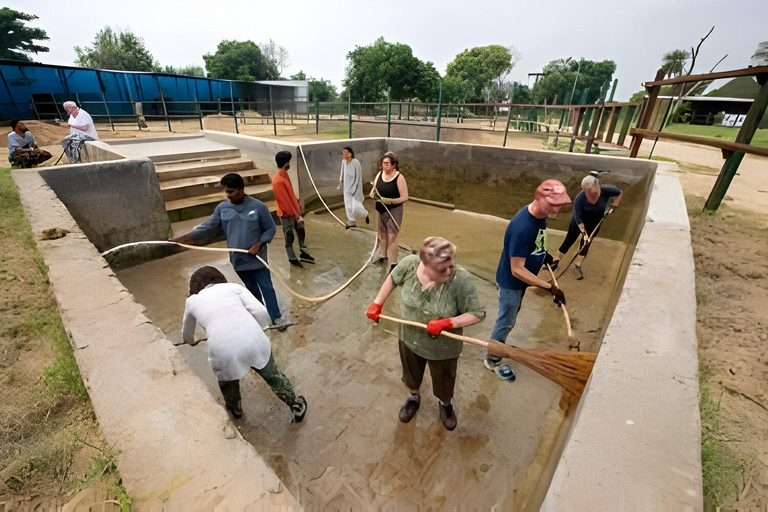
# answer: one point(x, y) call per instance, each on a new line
point(22, 150)
point(247, 224)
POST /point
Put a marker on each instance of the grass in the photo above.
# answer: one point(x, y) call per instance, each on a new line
point(724, 469)
point(760, 138)
point(46, 419)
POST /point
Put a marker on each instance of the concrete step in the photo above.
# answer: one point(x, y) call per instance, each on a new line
point(176, 170)
point(201, 185)
point(202, 205)
point(205, 154)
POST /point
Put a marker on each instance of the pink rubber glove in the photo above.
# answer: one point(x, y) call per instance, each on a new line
point(438, 325)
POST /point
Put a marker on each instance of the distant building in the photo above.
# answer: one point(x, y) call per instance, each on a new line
point(30, 90)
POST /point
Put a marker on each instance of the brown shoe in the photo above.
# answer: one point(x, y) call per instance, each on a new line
point(448, 416)
point(409, 408)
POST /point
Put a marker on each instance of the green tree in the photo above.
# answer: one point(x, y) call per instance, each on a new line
point(673, 63)
point(482, 67)
point(17, 39)
point(190, 70)
point(120, 49)
point(239, 60)
point(389, 70)
point(319, 90)
point(559, 76)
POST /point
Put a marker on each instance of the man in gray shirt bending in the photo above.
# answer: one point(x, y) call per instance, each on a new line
point(22, 150)
point(247, 224)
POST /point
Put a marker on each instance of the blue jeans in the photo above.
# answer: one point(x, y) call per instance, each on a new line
point(259, 284)
point(509, 305)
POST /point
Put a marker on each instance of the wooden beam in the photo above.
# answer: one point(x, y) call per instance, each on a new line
point(645, 117)
point(628, 115)
point(612, 121)
point(658, 82)
point(704, 141)
point(744, 137)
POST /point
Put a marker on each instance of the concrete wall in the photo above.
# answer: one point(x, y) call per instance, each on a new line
point(114, 203)
point(178, 449)
point(97, 151)
point(635, 443)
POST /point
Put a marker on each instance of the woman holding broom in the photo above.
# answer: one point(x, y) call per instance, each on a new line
point(589, 209)
point(436, 292)
point(390, 191)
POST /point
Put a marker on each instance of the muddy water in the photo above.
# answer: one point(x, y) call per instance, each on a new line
point(351, 452)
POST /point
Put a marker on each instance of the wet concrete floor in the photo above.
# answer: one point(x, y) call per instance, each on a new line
point(351, 452)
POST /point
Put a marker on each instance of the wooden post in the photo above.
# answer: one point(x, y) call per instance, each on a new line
point(612, 120)
point(629, 113)
point(645, 118)
point(389, 118)
point(579, 119)
point(317, 117)
point(596, 118)
point(747, 131)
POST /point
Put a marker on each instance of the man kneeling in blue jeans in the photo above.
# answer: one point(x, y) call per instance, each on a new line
point(247, 224)
point(525, 247)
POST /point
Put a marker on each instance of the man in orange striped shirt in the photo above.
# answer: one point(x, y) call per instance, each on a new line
point(289, 210)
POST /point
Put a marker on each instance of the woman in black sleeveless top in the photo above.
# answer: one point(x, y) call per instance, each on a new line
point(390, 190)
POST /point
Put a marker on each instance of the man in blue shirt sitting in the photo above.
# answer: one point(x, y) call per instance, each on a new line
point(525, 247)
point(22, 150)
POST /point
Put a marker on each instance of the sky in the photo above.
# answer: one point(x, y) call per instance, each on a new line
point(319, 34)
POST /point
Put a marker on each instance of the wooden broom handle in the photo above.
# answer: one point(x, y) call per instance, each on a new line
point(465, 339)
point(562, 306)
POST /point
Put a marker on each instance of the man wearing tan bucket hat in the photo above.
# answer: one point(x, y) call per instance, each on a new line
point(525, 247)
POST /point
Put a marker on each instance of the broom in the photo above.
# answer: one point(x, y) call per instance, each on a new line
point(586, 244)
point(569, 369)
point(573, 341)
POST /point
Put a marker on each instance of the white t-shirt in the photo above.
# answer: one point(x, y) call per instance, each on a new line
point(83, 119)
point(234, 321)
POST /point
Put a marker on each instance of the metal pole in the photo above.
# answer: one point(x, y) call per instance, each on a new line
point(506, 129)
point(349, 112)
point(439, 110)
point(162, 100)
point(11, 97)
point(197, 104)
point(103, 99)
point(317, 117)
point(389, 118)
point(31, 98)
point(272, 108)
point(232, 101)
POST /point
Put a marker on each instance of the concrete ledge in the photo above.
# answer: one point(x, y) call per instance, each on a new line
point(635, 443)
point(114, 203)
point(179, 449)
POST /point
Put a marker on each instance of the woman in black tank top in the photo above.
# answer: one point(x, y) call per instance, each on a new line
point(390, 191)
